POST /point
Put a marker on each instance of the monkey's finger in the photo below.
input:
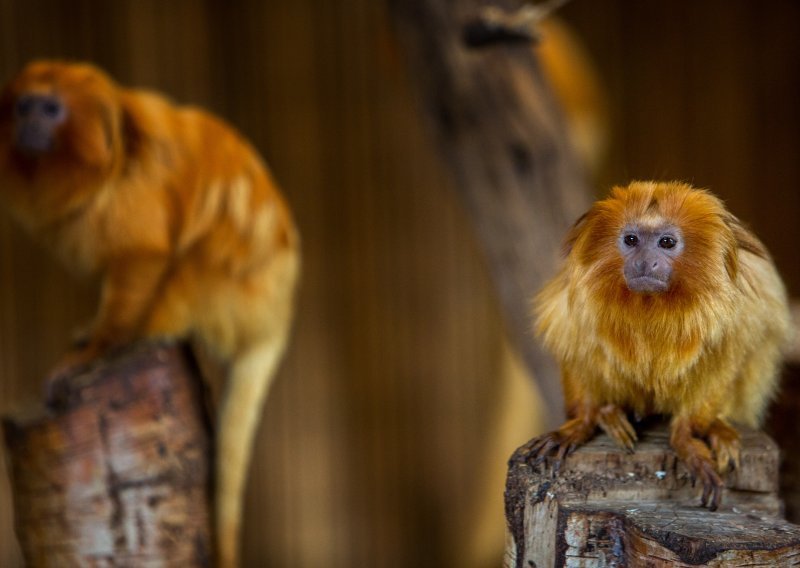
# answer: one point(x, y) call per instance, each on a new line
point(708, 487)
point(630, 429)
point(716, 498)
point(624, 440)
point(724, 460)
point(714, 490)
point(706, 493)
point(615, 426)
point(563, 451)
point(541, 444)
point(627, 439)
point(736, 456)
point(542, 449)
point(532, 448)
point(556, 467)
point(712, 486)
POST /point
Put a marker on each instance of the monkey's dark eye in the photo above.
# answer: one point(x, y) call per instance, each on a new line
point(24, 106)
point(631, 240)
point(666, 242)
point(52, 108)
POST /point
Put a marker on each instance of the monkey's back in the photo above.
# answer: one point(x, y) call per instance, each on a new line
point(764, 328)
point(234, 244)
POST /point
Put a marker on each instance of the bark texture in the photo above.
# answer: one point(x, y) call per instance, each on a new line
point(609, 508)
point(118, 473)
point(504, 140)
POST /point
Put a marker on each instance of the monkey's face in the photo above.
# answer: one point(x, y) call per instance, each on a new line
point(60, 139)
point(653, 242)
point(58, 116)
point(37, 118)
point(649, 254)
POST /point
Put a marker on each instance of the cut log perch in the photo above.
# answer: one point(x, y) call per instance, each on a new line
point(505, 142)
point(610, 508)
point(117, 475)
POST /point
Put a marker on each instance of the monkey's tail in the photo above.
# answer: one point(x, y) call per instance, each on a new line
point(251, 375)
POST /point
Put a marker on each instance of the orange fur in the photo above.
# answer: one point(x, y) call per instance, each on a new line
point(181, 220)
point(705, 352)
point(571, 74)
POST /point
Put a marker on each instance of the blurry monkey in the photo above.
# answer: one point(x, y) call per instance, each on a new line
point(180, 219)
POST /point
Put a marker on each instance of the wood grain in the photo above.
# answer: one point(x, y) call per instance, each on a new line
point(118, 472)
point(642, 509)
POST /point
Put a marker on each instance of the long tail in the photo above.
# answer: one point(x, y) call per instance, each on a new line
point(251, 375)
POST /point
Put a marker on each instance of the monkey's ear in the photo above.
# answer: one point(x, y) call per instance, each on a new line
point(90, 134)
point(573, 234)
point(130, 133)
point(743, 240)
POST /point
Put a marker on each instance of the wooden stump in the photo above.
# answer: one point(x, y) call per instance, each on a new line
point(117, 475)
point(608, 508)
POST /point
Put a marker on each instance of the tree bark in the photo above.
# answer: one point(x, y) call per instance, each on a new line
point(607, 507)
point(504, 140)
point(118, 473)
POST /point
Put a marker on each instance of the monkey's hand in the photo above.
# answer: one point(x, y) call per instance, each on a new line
point(74, 362)
point(561, 442)
point(696, 455)
point(129, 292)
point(614, 422)
point(81, 336)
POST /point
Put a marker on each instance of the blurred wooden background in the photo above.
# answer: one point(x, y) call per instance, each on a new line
point(384, 433)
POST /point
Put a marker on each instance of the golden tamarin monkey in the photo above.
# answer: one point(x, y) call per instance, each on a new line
point(665, 304)
point(180, 219)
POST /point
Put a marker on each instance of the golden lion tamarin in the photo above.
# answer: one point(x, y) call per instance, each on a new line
point(181, 220)
point(665, 304)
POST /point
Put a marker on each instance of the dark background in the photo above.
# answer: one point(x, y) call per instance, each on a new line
point(384, 442)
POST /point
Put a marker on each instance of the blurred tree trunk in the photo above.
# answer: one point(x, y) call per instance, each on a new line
point(504, 140)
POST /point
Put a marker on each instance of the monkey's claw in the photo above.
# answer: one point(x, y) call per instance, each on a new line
point(614, 422)
point(552, 443)
point(703, 470)
point(56, 383)
point(724, 442)
point(558, 443)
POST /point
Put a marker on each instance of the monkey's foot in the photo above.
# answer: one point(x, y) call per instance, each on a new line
point(615, 423)
point(81, 336)
point(724, 440)
point(696, 455)
point(560, 443)
point(705, 471)
point(71, 364)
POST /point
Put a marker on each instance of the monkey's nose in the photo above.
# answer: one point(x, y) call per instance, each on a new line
point(33, 138)
point(646, 264)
